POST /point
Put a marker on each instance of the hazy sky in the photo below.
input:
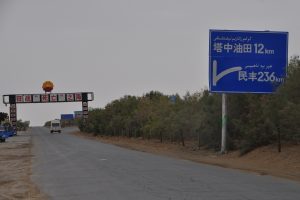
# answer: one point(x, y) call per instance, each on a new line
point(119, 47)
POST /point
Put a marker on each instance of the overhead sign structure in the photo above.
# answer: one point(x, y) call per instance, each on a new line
point(46, 98)
point(14, 99)
point(247, 61)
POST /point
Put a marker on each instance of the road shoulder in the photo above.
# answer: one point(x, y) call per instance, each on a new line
point(262, 161)
point(15, 169)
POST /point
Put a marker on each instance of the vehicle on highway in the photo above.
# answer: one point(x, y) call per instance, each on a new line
point(5, 132)
point(10, 131)
point(55, 126)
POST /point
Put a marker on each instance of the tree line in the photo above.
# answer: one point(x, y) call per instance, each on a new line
point(21, 125)
point(253, 119)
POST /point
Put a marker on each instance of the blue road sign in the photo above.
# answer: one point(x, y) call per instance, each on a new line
point(66, 116)
point(173, 98)
point(247, 61)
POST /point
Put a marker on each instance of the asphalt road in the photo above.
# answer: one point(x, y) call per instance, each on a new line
point(73, 168)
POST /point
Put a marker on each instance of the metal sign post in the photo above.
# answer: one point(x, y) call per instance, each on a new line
point(224, 124)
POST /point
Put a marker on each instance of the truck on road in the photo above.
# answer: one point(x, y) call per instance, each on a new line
point(55, 126)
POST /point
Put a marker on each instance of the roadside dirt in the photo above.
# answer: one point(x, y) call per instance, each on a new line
point(262, 161)
point(15, 169)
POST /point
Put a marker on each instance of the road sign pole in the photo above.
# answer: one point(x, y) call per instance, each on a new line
point(224, 124)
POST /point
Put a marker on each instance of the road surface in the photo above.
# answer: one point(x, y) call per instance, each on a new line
point(73, 168)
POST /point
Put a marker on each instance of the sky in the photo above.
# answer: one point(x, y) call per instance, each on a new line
point(121, 47)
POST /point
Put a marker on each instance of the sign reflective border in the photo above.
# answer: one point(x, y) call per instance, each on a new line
point(247, 61)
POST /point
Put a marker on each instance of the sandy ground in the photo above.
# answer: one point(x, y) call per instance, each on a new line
point(15, 169)
point(262, 161)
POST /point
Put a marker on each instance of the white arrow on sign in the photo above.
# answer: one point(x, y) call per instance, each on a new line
point(217, 77)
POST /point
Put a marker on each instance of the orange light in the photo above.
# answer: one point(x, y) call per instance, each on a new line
point(48, 86)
